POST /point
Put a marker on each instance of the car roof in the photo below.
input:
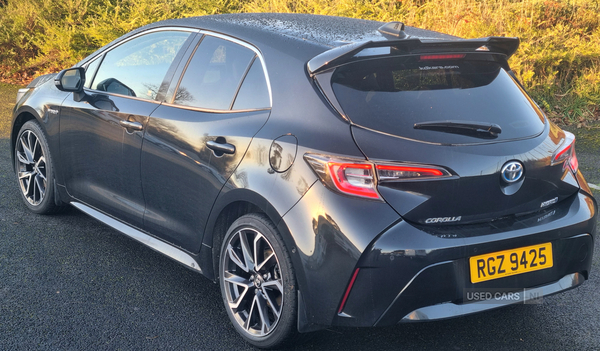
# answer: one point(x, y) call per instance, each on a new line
point(287, 42)
point(327, 31)
point(302, 36)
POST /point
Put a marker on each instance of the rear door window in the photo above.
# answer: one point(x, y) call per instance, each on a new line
point(214, 74)
point(392, 95)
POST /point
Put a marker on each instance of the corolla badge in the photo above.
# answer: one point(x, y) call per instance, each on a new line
point(442, 220)
point(512, 171)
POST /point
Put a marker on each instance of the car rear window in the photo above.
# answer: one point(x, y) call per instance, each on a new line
point(393, 94)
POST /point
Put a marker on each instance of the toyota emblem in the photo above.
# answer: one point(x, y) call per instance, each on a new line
point(512, 171)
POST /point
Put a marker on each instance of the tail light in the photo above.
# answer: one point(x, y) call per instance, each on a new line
point(566, 153)
point(348, 176)
point(389, 173)
point(359, 177)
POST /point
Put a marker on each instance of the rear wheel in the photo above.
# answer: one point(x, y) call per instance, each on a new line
point(258, 283)
point(33, 166)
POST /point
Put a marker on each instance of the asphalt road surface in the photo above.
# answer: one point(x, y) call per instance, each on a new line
point(70, 282)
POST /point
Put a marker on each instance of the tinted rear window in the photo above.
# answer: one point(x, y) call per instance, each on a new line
point(214, 74)
point(391, 95)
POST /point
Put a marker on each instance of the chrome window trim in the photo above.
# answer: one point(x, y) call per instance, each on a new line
point(149, 31)
point(208, 110)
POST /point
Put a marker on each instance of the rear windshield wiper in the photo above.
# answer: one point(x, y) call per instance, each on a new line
point(476, 129)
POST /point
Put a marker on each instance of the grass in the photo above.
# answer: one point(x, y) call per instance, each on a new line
point(8, 94)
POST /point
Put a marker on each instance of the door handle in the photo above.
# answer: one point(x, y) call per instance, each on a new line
point(220, 148)
point(131, 125)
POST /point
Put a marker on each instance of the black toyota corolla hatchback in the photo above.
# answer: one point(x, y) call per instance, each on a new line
point(324, 171)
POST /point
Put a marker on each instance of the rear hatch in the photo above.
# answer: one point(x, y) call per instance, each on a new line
point(461, 113)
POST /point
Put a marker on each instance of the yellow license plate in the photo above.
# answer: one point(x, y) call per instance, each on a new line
point(510, 262)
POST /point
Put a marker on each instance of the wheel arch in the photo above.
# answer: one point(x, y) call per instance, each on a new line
point(230, 206)
point(18, 122)
point(224, 213)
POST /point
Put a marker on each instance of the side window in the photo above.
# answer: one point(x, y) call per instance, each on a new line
point(137, 67)
point(213, 75)
point(254, 93)
point(90, 71)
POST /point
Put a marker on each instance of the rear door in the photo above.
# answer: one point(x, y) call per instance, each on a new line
point(101, 136)
point(464, 114)
point(198, 136)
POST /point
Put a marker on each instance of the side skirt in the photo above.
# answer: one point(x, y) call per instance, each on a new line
point(150, 241)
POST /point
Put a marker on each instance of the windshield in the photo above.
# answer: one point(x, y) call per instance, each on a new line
point(393, 94)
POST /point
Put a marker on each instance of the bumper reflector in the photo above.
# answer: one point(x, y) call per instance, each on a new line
point(348, 290)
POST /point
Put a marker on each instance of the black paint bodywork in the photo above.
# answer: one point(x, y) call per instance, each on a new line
point(166, 182)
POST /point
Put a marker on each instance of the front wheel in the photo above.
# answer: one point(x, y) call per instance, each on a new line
point(33, 166)
point(258, 283)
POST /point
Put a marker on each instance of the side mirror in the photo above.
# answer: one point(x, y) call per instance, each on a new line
point(71, 80)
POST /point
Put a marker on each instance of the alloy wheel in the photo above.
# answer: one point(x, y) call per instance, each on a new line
point(253, 282)
point(31, 167)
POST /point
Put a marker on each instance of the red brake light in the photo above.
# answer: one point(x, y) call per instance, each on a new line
point(345, 175)
point(566, 153)
point(442, 57)
point(563, 154)
point(573, 162)
point(354, 179)
point(360, 177)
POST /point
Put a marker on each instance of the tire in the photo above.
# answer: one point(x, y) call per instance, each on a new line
point(258, 283)
point(34, 170)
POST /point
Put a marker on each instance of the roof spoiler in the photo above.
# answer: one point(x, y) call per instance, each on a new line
point(343, 54)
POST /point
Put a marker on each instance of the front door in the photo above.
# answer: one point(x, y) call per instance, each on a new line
point(101, 135)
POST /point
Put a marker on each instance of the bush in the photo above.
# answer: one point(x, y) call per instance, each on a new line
point(558, 61)
point(39, 36)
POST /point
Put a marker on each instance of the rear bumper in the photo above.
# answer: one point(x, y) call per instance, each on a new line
point(414, 273)
point(451, 310)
